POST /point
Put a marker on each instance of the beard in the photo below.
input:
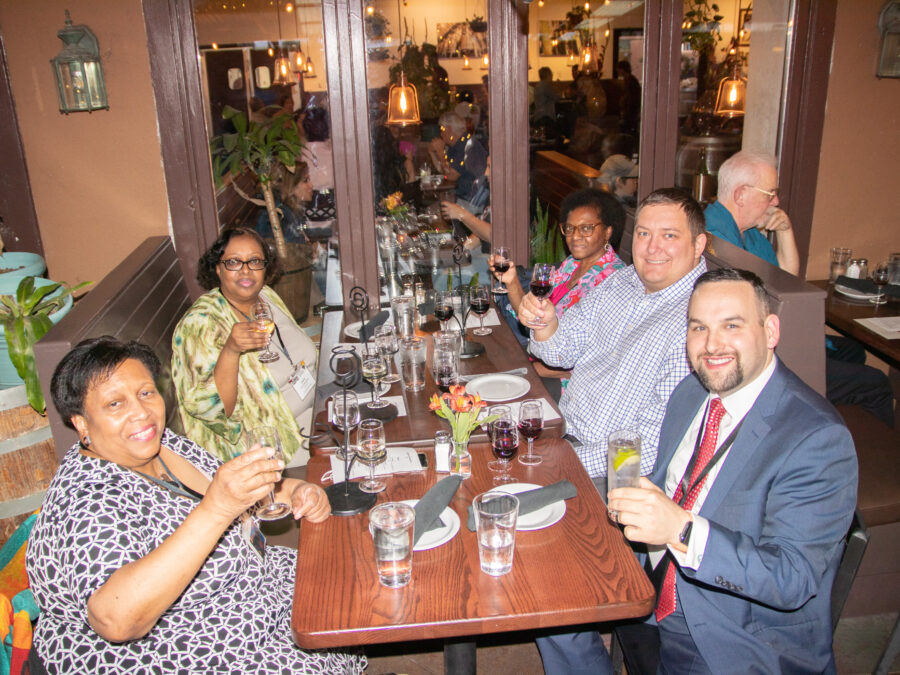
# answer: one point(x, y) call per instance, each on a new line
point(721, 382)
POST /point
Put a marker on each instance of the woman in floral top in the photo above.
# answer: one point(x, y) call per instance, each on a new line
point(592, 223)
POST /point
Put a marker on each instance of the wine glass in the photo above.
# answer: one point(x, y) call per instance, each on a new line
point(505, 444)
point(501, 266)
point(502, 412)
point(262, 314)
point(268, 438)
point(388, 345)
point(541, 284)
point(481, 303)
point(374, 370)
point(881, 275)
point(443, 307)
point(531, 423)
point(344, 415)
point(370, 450)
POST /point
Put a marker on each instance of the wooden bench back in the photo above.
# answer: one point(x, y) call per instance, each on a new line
point(141, 299)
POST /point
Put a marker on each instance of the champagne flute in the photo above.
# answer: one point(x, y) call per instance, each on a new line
point(481, 303)
point(265, 324)
point(268, 438)
point(501, 266)
point(502, 412)
point(388, 345)
point(531, 423)
point(374, 370)
point(540, 284)
point(344, 415)
point(881, 275)
point(370, 450)
point(505, 444)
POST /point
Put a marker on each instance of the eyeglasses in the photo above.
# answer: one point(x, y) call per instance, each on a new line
point(586, 230)
point(771, 194)
point(235, 265)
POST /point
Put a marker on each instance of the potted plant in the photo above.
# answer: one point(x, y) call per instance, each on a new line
point(702, 31)
point(478, 24)
point(25, 317)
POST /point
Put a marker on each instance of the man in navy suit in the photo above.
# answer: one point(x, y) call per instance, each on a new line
point(745, 513)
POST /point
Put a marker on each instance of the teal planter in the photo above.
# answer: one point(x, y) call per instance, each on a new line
point(8, 375)
point(21, 265)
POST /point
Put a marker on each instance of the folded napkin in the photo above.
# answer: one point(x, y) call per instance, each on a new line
point(432, 504)
point(367, 328)
point(532, 500)
point(867, 286)
point(426, 308)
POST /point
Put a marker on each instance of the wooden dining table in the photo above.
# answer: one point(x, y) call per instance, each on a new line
point(578, 570)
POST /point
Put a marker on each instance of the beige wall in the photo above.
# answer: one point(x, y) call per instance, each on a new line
point(857, 196)
point(97, 178)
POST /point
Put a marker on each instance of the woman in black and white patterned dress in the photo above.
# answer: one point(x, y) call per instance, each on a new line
point(139, 559)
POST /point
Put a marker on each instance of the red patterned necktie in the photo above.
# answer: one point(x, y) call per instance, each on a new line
point(666, 604)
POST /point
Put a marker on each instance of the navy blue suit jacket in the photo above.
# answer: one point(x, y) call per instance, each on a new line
point(779, 511)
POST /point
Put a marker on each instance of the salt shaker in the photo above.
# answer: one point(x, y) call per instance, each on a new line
point(852, 269)
point(442, 447)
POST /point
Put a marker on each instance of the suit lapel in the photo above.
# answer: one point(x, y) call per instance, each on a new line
point(682, 410)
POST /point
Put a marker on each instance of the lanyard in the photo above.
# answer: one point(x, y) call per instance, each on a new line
point(175, 486)
point(280, 344)
point(685, 488)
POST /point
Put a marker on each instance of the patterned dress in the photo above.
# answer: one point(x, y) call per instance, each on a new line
point(234, 617)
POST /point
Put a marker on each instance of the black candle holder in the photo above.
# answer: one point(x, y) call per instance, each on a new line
point(359, 302)
point(346, 498)
point(469, 350)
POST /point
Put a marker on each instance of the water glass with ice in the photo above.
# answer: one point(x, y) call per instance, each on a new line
point(623, 453)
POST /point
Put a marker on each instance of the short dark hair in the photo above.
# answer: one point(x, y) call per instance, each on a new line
point(315, 124)
point(605, 205)
point(683, 200)
point(206, 266)
point(624, 65)
point(90, 361)
point(734, 274)
point(545, 73)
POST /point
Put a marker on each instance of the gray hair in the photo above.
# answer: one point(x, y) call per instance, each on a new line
point(454, 123)
point(742, 168)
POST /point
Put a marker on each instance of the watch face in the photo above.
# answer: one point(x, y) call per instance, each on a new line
point(686, 532)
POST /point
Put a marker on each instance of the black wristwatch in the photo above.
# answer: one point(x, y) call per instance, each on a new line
point(685, 535)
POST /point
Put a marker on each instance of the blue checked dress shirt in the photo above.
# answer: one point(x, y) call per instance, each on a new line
point(626, 350)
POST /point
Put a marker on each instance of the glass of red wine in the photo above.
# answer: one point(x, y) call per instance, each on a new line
point(531, 423)
point(505, 444)
point(880, 275)
point(541, 284)
point(502, 412)
point(501, 266)
point(480, 302)
point(443, 307)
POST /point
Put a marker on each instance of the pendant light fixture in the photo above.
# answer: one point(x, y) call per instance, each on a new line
point(295, 56)
point(731, 100)
point(283, 73)
point(485, 62)
point(466, 65)
point(403, 101)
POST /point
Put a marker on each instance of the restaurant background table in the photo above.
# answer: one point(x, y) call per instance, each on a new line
point(576, 571)
point(502, 353)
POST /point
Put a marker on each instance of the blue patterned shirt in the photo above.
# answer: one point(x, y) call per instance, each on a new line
point(626, 350)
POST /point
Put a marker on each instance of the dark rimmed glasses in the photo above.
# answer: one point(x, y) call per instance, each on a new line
point(586, 230)
point(235, 264)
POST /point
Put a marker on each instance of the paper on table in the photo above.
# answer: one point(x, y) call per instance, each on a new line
point(398, 460)
point(365, 398)
point(490, 319)
point(549, 413)
point(887, 327)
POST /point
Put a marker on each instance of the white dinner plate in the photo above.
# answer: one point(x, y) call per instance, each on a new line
point(441, 534)
point(351, 330)
point(498, 387)
point(850, 293)
point(536, 520)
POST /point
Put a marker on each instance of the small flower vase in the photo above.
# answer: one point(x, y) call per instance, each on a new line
point(460, 459)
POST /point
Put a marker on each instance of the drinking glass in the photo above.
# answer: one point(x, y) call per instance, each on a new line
point(502, 412)
point(505, 444)
point(404, 310)
point(265, 324)
point(501, 266)
point(412, 363)
point(445, 368)
point(531, 423)
point(370, 450)
point(443, 308)
point(481, 303)
point(392, 525)
point(881, 275)
point(374, 370)
point(388, 345)
point(267, 437)
point(623, 456)
point(344, 415)
point(540, 283)
point(495, 525)
point(839, 259)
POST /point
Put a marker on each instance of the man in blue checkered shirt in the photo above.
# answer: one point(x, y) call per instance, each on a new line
point(624, 342)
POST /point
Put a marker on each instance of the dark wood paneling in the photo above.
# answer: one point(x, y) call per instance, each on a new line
point(555, 176)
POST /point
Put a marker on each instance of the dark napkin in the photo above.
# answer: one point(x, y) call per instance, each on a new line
point(532, 500)
point(867, 286)
point(367, 328)
point(432, 504)
point(426, 308)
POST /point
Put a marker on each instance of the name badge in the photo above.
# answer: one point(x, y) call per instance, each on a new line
point(302, 382)
point(254, 536)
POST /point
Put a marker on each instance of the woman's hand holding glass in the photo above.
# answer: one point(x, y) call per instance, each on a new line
point(242, 482)
point(267, 438)
point(246, 337)
point(508, 275)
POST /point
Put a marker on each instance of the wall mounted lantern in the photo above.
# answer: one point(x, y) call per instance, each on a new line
point(79, 74)
point(889, 27)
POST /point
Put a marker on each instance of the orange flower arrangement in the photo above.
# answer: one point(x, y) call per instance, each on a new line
point(461, 410)
point(394, 205)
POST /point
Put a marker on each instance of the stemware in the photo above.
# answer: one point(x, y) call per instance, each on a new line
point(374, 370)
point(267, 437)
point(501, 266)
point(481, 303)
point(540, 283)
point(503, 412)
point(262, 314)
point(388, 345)
point(344, 415)
point(370, 450)
point(881, 275)
point(443, 307)
point(531, 423)
point(505, 444)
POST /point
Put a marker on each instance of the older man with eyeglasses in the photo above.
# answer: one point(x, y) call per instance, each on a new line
point(747, 208)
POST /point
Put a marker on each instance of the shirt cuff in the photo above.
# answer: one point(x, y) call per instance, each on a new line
point(696, 545)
